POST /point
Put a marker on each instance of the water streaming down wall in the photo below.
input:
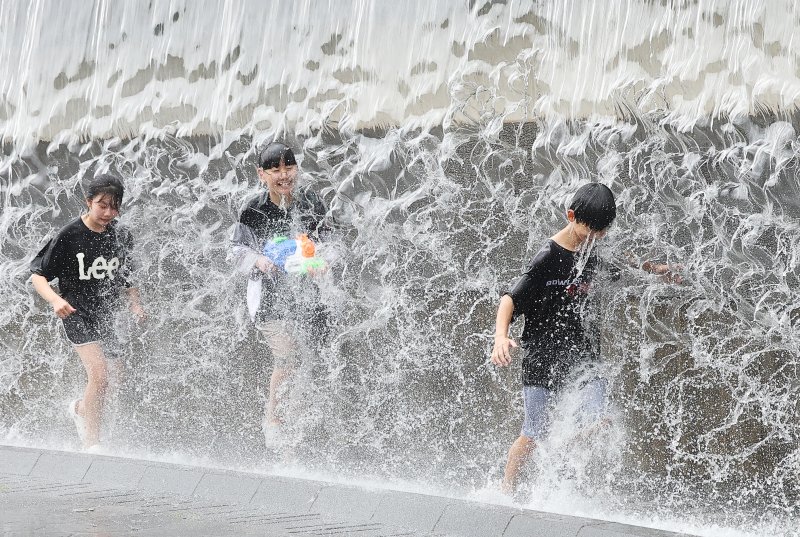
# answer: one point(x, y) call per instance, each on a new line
point(446, 138)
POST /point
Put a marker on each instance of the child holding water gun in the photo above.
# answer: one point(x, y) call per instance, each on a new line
point(273, 242)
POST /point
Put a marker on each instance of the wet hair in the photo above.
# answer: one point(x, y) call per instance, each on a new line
point(594, 206)
point(275, 153)
point(106, 184)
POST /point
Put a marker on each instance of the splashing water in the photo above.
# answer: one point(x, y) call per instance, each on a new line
point(447, 154)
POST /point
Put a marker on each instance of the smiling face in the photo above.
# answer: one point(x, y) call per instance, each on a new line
point(280, 181)
point(102, 210)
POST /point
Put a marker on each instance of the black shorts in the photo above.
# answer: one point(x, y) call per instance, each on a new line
point(84, 329)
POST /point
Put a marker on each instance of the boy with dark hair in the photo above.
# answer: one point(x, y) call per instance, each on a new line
point(90, 256)
point(283, 307)
point(552, 295)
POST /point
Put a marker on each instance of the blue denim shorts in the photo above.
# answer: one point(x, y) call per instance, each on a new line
point(539, 403)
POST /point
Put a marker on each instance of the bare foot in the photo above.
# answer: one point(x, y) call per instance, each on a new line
point(507, 487)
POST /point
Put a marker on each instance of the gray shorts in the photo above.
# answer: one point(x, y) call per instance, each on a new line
point(539, 403)
point(284, 341)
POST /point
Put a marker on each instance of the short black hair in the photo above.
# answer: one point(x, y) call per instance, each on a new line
point(594, 206)
point(106, 183)
point(275, 153)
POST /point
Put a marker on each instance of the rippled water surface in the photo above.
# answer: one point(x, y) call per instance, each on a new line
point(446, 138)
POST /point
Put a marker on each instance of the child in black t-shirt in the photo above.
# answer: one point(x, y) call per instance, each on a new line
point(552, 295)
point(90, 258)
point(284, 308)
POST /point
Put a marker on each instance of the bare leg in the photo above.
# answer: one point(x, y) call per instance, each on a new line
point(276, 385)
point(284, 350)
point(116, 372)
point(585, 435)
point(593, 410)
point(518, 456)
point(91, 406)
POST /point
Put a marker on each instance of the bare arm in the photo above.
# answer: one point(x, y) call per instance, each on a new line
point(244, 253)
point(61, 307)
point(501, 353)
point(135, 301)
point(244, 259)
point(667, 272)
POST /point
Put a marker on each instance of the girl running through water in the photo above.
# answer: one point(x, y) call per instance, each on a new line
point(90, 257)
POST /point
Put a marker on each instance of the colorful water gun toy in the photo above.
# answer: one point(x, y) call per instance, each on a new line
point(294, 256)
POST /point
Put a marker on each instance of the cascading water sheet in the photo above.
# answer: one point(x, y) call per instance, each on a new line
point(446, 138)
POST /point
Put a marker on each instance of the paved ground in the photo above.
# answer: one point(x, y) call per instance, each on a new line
point(54, 493)
point(37, 506)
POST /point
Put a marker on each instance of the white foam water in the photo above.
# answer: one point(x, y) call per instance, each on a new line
point(447, 140)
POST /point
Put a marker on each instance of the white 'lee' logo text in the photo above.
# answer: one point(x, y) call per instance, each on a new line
point(100, 268)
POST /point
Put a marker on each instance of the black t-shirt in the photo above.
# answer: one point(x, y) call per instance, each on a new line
point(92, 268)
point(552, 295)
point(282, 296)
point(268, 220)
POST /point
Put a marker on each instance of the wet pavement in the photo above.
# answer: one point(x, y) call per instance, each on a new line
point(56, 493)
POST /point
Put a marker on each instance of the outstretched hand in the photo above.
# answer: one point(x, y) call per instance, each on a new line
point(501, 353)
point(668, 273)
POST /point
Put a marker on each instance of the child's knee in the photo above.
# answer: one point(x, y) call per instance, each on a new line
point(525, 443)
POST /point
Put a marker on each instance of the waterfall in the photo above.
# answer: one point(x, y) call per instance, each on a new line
point(446, 138)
